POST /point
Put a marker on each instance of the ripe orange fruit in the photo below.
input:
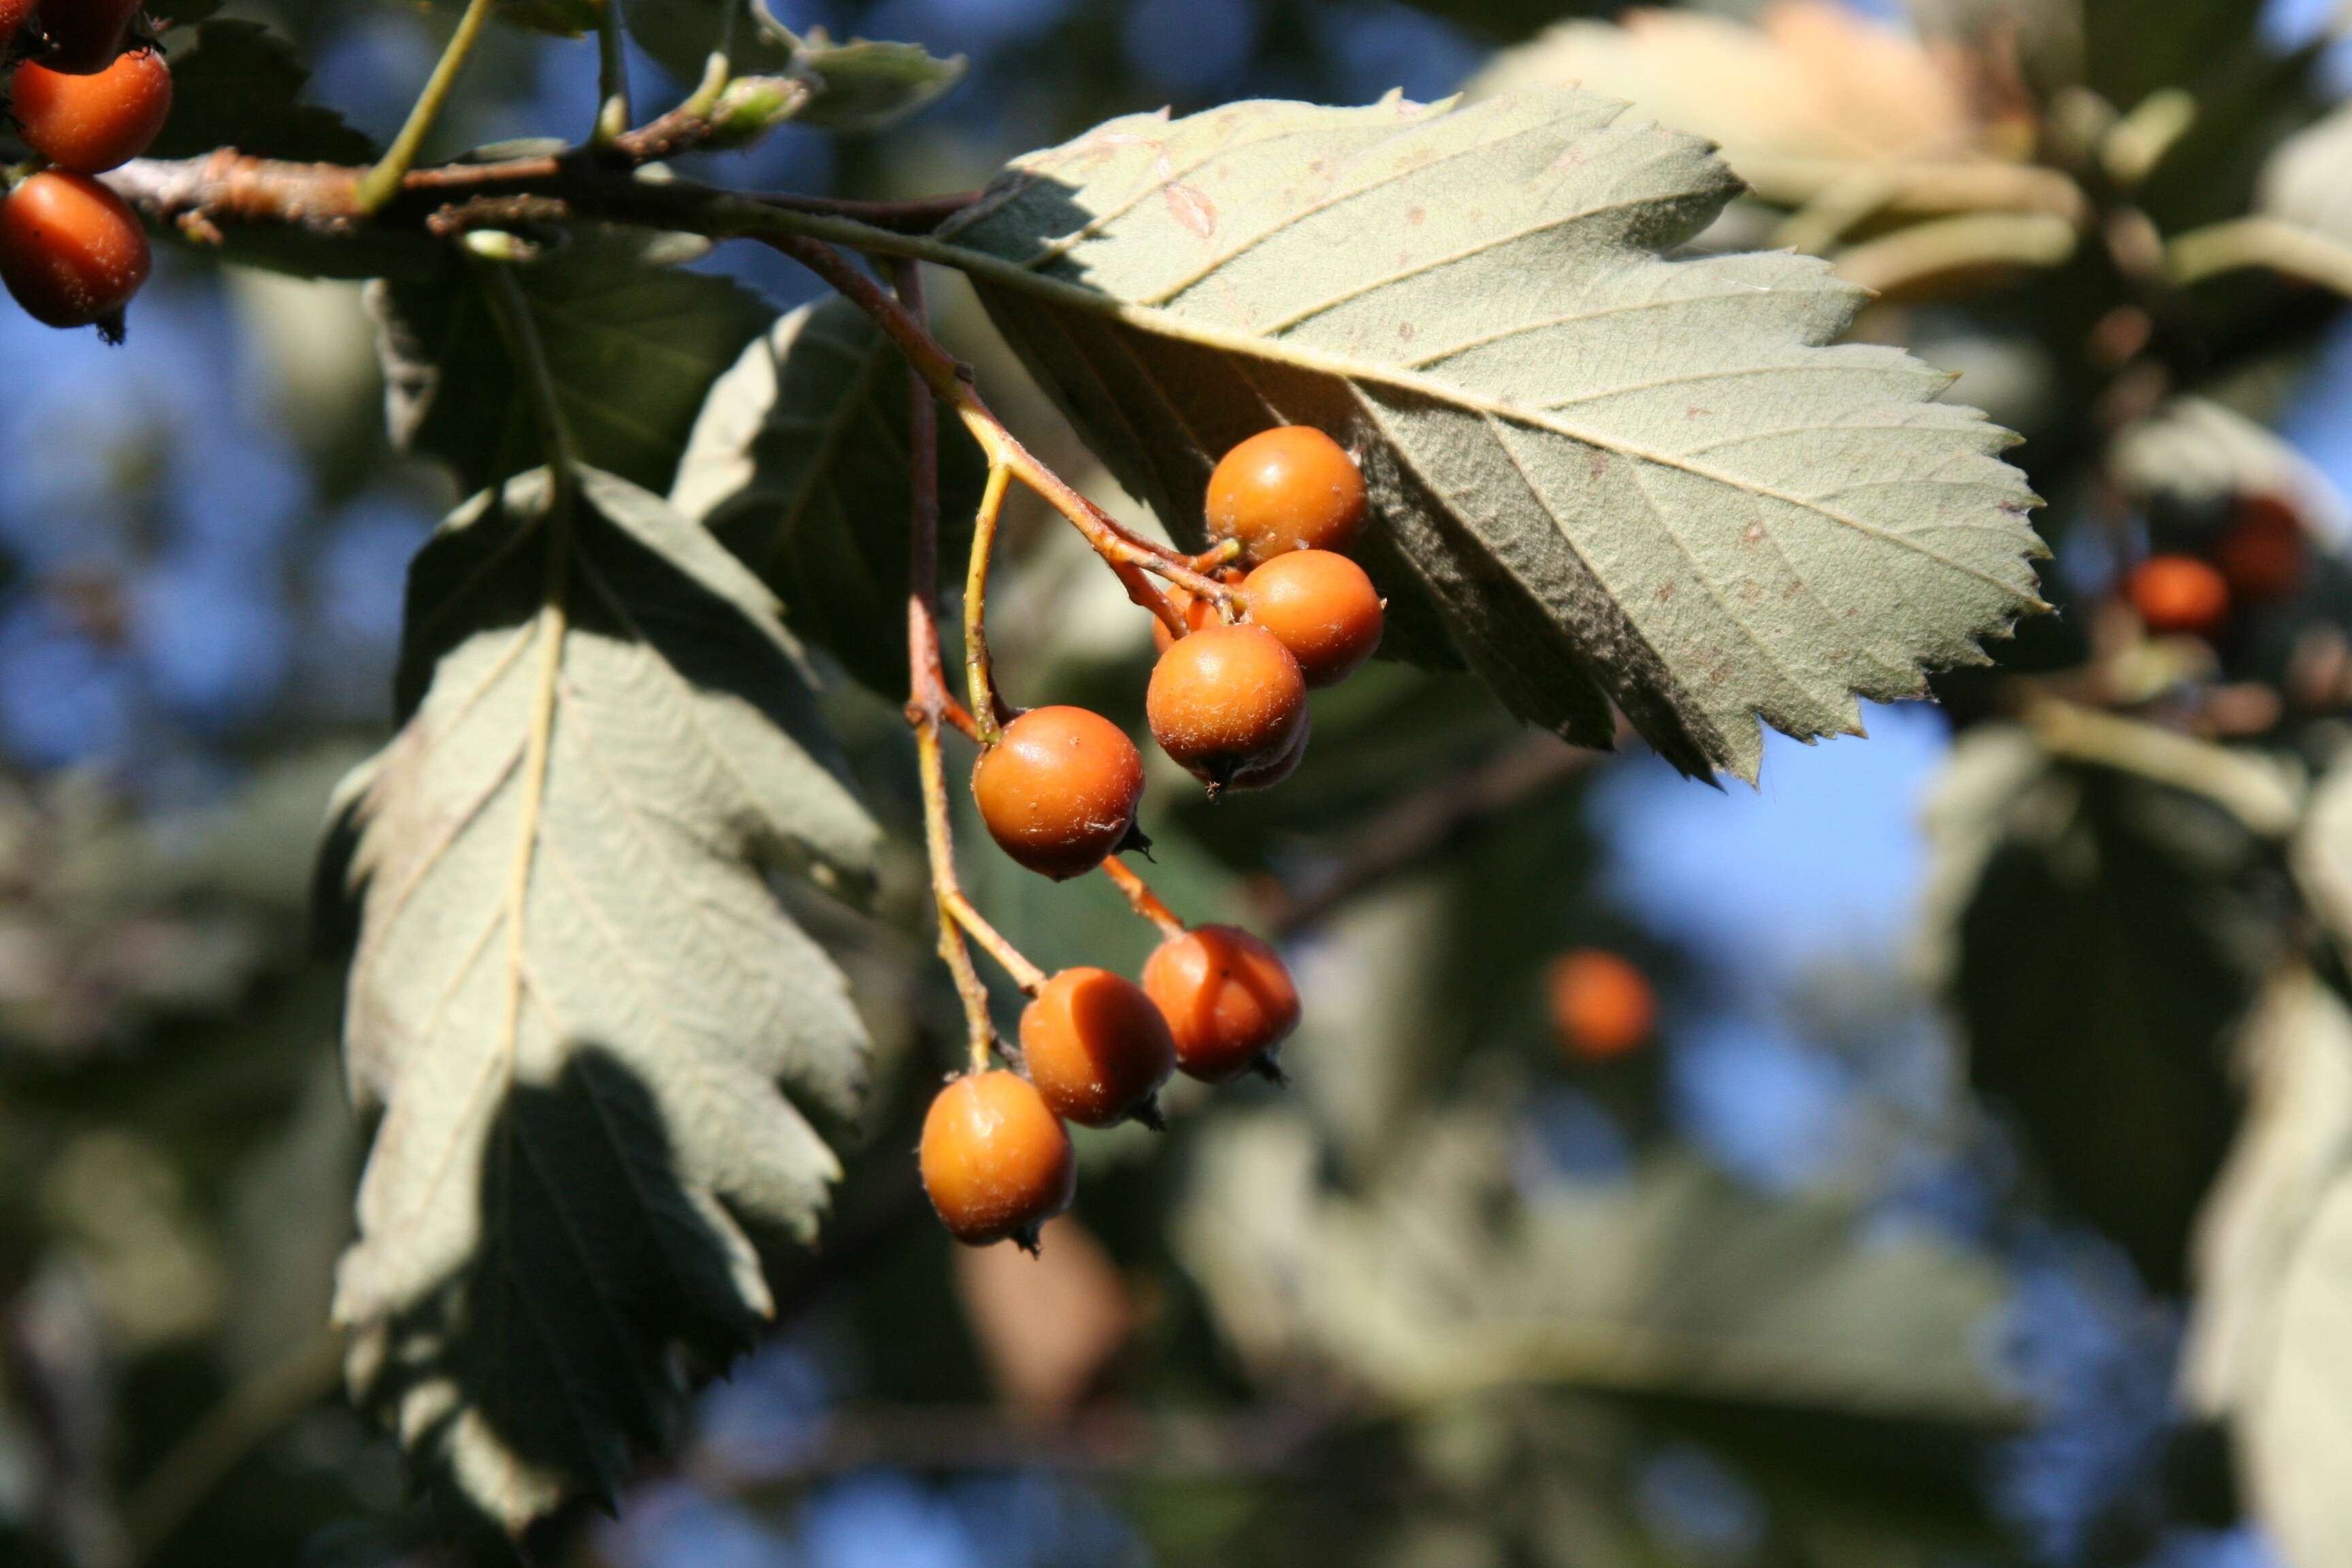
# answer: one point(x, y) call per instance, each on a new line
point(996, 1163)
point(1225, 700)
point(1273, 770)
point(88, 124)
point(1058, 791)
point(1602, 1006)
point(1319, 605)
point(2180, 594)
point(86, 34)
point(2261, 552)
point(1096, 1048)
point(1228, 998)
point(1292, 487)
point(70, 251)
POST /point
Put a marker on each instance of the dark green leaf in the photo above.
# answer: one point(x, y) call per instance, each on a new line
point(799, 464)
point(239, 85)
point(633, 350)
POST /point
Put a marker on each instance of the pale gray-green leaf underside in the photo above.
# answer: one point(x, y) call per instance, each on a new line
point(1614, 474)
point(601, 1050)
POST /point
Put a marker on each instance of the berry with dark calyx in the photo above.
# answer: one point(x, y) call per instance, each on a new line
point(1319, 605)
point(1228, 998)
point(1293, 488)
point(2179, 595)
point(1058, 791)
point(71, 252)
point(88, 124)
point(1275, 770)
point(86, 34)
point(1097, 1049)
point(996, 1163)
point(2261, 552)
point(1602, 1006)
point(1225, 700)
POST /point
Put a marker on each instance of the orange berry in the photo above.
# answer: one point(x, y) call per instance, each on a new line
point(88, 124)
point(1097, 1049)
point(1293, 488)
point(2261, 552)
point(997, 1162)
point(1319, 605)
point(1058, 791)
point(1228, 998)
point(2177, 595)
point(1225, 700)
point(1602, 1006)
point(1197, 613)
point(70, 251)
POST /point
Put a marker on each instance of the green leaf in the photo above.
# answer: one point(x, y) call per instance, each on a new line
point(2099, 932)
point(239, 85)
point(861, 86)
point(681, 34)
point(799, 464)
point(1448, 1275)
point(633, 348)
point(2266, 1345)
point(600, 1049)
point(1619, 477)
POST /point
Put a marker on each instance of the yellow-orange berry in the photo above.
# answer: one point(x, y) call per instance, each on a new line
point(2180, 594)
point(996, 1163)
point(1225, 700)
point(1228, 998)
point(1602, 1006)
point(88, 124)
point(1058, 791)
point(70, 250)
point(1319, 605)
point(1197, 613)
point(1096, 1048)
point(1292, 487)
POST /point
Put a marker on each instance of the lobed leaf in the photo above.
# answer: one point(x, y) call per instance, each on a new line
point(600, 1049)
point(799, 464)
point(239, 85)
point(1616, 477)
point(633, 347)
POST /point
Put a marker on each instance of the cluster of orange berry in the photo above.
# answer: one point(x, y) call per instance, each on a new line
point(2257, 558)
point(1058, 791)
point(90, 94)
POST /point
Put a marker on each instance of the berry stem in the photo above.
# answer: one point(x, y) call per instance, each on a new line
point(1135, 560)
point(928, 703)
point(988, 709)
point(1141, 898)
point(383, 182)
point(1025, 974)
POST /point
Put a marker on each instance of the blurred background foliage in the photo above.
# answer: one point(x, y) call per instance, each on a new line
point(1979, 1199)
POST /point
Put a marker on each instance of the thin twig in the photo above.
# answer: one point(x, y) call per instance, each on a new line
point(1141, 898)
point(383, 182)
point(1025, 974)
point(987, 707)
point(927, 699)
point(1420, 824)
point(1132, 557)
point(230, 1430)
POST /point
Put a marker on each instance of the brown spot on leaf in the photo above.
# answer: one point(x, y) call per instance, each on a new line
point(1754, 533)
point(1191, 208)
point(1416, 216)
